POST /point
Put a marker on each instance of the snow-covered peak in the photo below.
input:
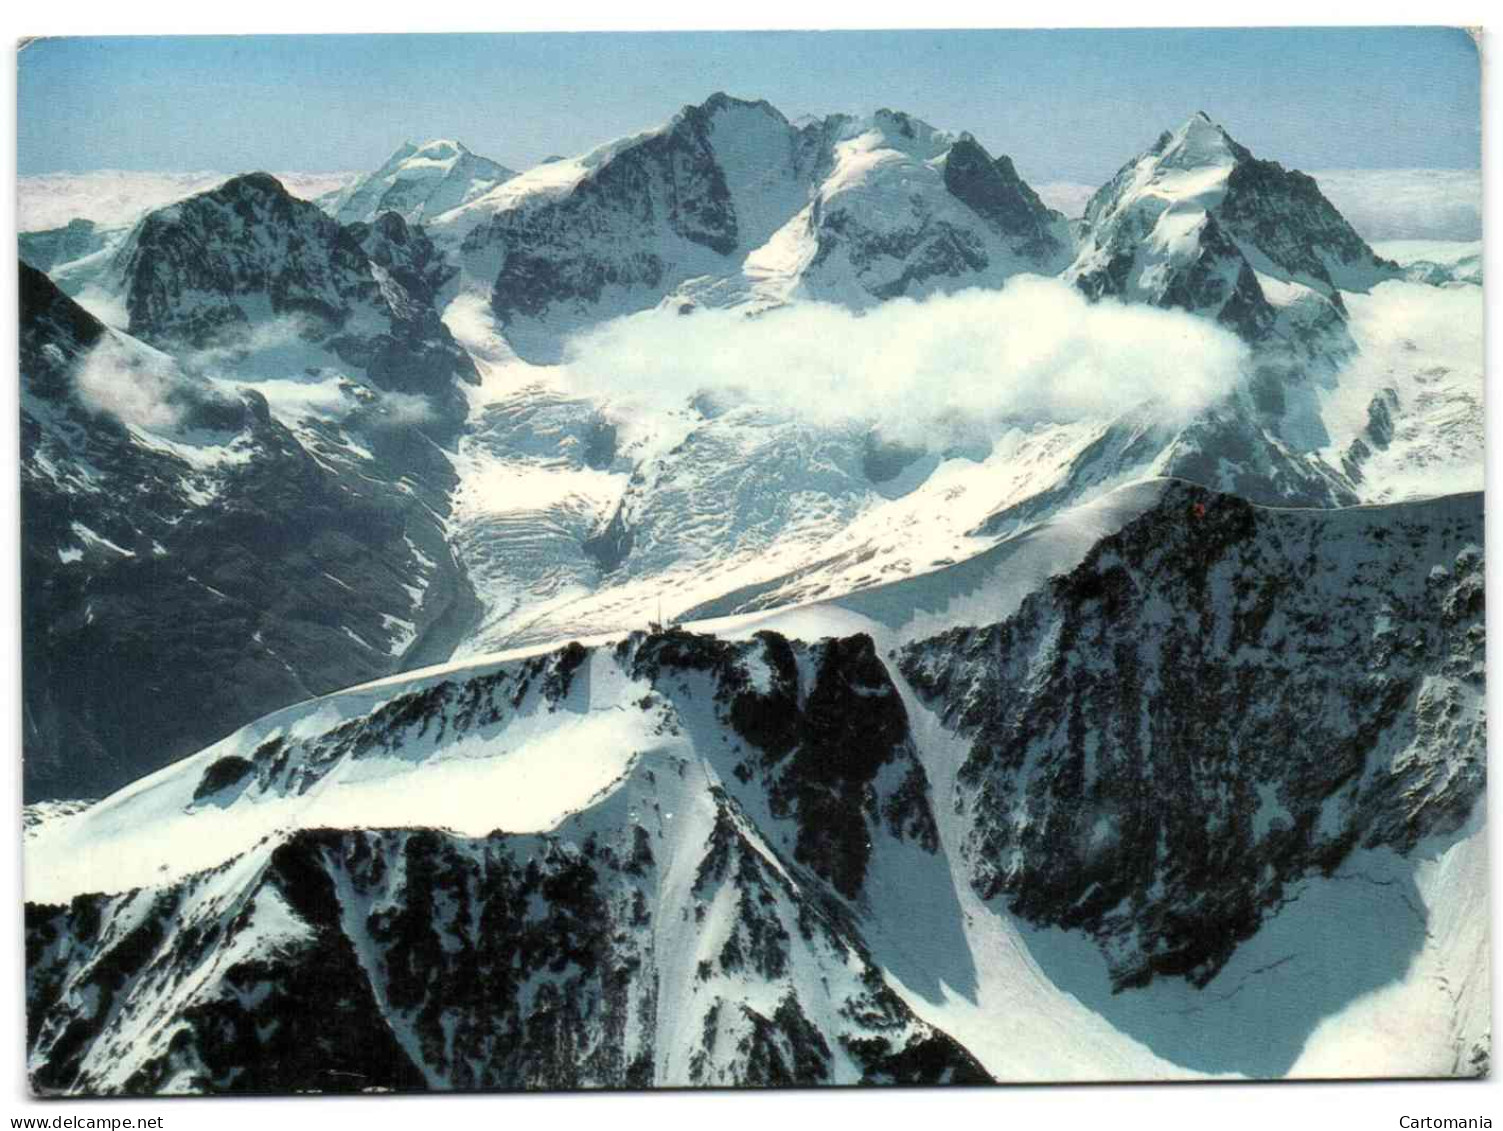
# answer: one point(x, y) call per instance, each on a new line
point(730, 204)
point(721, 104)
point(437, 151)
point(1186, 169)
point(894, 133)
point(550, 179)
point(403, 151)
point(441, 149)
point(1199, 223)
point(418, 182)
point(440, 152)
point(1199, 143)
point(911, 135)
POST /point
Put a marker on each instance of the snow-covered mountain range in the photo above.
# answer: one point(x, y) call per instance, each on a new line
point(730, 204)
point(693, 859)
point(1064, 618)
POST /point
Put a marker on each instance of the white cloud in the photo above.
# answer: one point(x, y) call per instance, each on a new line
point(132, 382)
point(278, 342)
point(1066, 196)
point(112, 197)
point(1407, 204)
point(1035, 350)
point(400, 409)
point(1382, 204)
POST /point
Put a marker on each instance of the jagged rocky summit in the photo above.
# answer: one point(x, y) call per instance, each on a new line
point(225, 269)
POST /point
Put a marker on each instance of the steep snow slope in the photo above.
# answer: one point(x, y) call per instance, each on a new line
point(683, 859)
point(417, 182)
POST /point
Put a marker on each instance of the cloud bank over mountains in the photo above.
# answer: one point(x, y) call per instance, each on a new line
point(1382, 204)
point(110, 197)
point(1035, 350)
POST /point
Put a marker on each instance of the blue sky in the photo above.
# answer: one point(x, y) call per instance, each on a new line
point(1066, 105)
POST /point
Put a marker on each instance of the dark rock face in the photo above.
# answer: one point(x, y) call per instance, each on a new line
point(836, 756)
point(55, 330)
point(417, 355)
point(852, 725)
point(611, 545)
point(994, 191)
point(1231, 451)
point(1376, 436)
point(938, 250)
point(554, 253)
point(415, 961)
point(188, 264)
point(268, 1024)
point(407, 256)
point(883, 460)
point(1283, 214)
point(163, 603)
point(1219, 279)
point(1217, 701)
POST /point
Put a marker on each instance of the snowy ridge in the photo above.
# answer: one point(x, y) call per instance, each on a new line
point(719, 872)
point(780, 984)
